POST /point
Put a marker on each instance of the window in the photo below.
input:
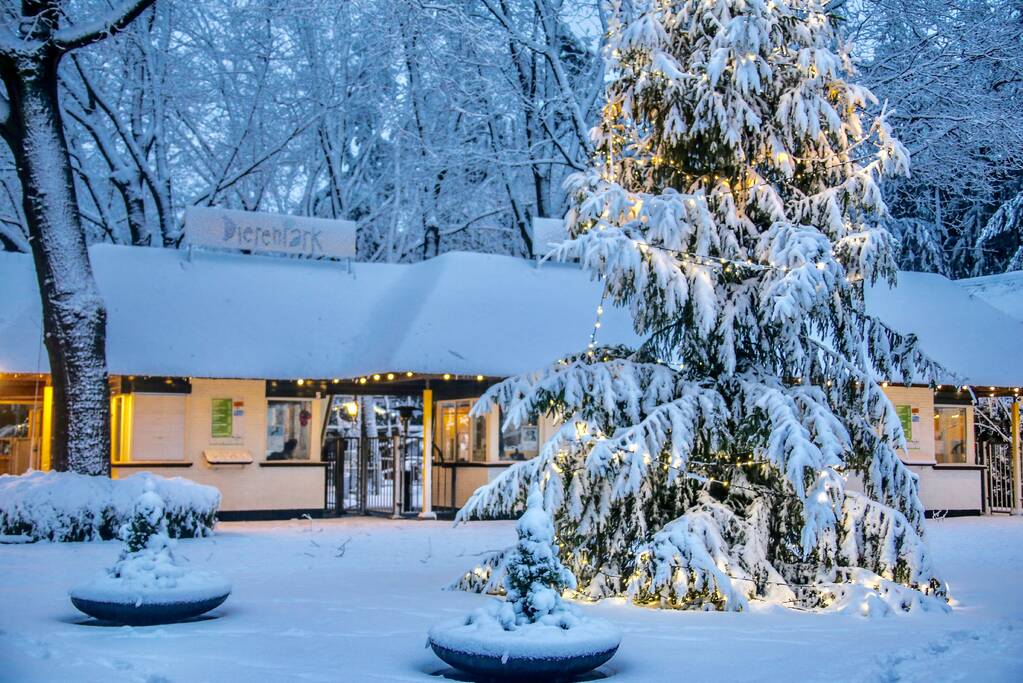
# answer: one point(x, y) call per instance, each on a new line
point(16, 442)
point(521, 443)
point(288, 430)
point(462, 437)
point(479, 439)
point(455, 425)
point(950, 434)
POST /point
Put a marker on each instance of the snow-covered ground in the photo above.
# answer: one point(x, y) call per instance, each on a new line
point(352, 599)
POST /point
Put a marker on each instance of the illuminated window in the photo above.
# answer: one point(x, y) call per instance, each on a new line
point(288, 430)
point(15, 437)
point(462, 437)
point(950, 434)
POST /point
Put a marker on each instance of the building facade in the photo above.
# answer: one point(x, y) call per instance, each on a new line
point(239, 371)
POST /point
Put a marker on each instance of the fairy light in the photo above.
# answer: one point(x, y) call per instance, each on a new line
point(596, 326)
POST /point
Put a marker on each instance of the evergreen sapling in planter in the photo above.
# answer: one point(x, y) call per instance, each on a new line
point(147, 585)
point(533, 632)
point(734, 208)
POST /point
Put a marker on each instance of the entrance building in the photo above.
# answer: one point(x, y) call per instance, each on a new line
point(238, 371)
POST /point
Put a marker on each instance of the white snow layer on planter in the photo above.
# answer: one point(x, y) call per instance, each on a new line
point(153, 581)
point(64, 506)
point(492, 631)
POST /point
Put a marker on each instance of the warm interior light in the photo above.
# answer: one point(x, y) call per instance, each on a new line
point(351, 407)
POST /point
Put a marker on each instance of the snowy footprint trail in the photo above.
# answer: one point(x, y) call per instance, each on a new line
point(352, 600)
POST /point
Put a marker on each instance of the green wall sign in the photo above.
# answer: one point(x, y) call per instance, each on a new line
point(223, 418)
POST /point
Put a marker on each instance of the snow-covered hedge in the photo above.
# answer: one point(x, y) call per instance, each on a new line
point(63, 506)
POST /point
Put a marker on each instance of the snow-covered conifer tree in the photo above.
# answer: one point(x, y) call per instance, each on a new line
point(733, 207)
point(534, 577)
point(147, 555)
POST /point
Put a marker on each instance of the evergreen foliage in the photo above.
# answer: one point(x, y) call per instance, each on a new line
point(1000, 247)
point(148, 519)
point(734, 208)
point(535, 578)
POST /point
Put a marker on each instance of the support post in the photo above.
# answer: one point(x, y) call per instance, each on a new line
point(1017, 495)
point(427, 512)
point(397, 467)
point(45, 455)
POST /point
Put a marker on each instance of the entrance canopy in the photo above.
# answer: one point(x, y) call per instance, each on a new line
point(240, 316)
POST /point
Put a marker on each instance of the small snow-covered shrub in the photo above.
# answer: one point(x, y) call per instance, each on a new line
point(64, 506)
point(533, 633)
point(534, 577)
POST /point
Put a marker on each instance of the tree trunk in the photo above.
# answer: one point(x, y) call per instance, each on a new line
point(74, 316)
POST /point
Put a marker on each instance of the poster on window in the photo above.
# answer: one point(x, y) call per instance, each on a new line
point(909, 417)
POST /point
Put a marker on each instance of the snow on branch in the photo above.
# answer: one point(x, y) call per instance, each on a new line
point(86, 32)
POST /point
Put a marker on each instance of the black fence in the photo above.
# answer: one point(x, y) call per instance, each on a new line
point(998, 485)
point(373, 475)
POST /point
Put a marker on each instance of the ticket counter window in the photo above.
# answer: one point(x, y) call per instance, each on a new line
point(950, 435)
point(463, 437)
point(288, 430)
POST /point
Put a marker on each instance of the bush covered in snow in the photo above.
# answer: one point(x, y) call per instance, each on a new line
point(63, 506)
point(533, 623)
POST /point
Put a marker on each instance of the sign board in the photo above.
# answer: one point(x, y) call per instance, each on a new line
point(909, 417)
point(223, 418)
point(269, 233)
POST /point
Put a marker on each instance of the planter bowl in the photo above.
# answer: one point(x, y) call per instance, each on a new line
point(107, 600)
point(548, 654)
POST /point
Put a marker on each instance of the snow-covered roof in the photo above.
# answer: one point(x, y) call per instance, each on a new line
point(1004, 292)
point(966, 334)
point(228, 315)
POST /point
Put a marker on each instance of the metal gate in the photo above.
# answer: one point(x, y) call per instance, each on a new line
point(361, 477)
point(998, 489)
